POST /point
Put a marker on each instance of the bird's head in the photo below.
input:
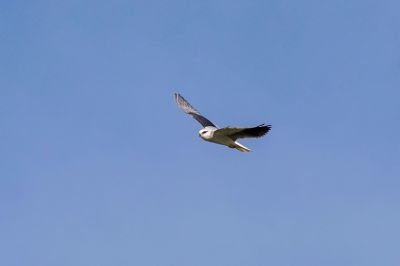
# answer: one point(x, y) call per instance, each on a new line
point(205, 133)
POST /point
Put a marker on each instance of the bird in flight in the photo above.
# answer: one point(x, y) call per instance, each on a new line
point(225, 136)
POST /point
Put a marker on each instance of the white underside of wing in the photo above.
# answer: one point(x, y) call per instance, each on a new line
point(227, 131)
point(222, 140)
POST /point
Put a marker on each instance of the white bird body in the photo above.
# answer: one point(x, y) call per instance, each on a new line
point(225, 136)
point(208, 134)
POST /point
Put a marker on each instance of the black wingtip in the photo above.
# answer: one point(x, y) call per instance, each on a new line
point(256, 132)
point(264, 129)
point(268, 127)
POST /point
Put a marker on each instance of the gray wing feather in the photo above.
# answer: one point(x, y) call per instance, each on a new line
point(187, 108)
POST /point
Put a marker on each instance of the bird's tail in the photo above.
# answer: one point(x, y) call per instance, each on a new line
point(241, 148)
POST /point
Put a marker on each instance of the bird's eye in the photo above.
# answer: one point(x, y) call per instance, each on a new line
point(204, 132)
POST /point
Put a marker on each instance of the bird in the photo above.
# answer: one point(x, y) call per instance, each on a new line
point(227, 136)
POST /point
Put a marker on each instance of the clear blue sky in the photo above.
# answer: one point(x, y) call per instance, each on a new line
point(99, 167)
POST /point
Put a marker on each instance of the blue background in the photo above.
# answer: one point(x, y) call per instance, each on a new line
point(99, 167)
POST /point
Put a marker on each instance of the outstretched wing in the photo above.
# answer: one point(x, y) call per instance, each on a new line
point(239, 133)
point(187, 108)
